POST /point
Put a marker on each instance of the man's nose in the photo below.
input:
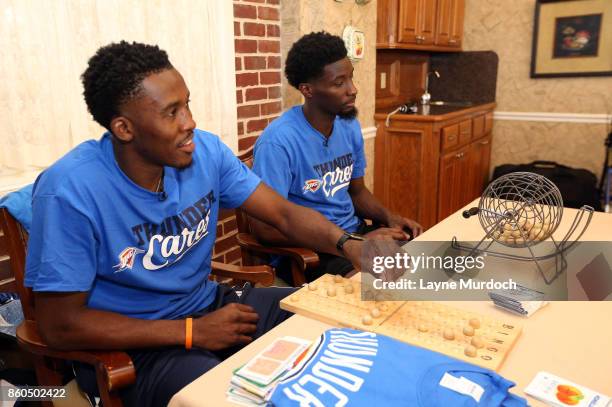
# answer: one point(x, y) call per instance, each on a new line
point(188, 123)
point(352, 90)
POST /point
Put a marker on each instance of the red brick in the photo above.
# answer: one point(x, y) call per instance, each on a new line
point(254, 63)
point(237, 29)
point(256, 125)
point(273, 30)
point(245, 11)
point(258, 30)
point(273, 1)
point(246, 142)
point(239, 96)
point(247, 79)
point(220, 258)
point(270, 108)
point(256, 94)
point(238, 64)
point(269, 46)
point(248, 111)
point(267, 13)
point(245, 46)
point(274, 62)
point(269, 78)
point(229, 225)
point(233, 255)
point(225, 213)
point(219, 229)
point(274, 92)
point(240, 128)
point(226, 243)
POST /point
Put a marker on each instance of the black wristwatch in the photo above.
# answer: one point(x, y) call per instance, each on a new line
point(347, 236)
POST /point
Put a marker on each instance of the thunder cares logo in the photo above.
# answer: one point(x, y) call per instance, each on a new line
point(335, 175)
point(169, 241)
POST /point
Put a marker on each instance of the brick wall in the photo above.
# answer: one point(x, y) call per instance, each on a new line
point(258, 92)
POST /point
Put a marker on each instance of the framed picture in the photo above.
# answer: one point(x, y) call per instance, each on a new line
point(572, 38)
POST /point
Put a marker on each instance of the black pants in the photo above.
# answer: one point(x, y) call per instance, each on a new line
point(160, 373)
point(328, 263)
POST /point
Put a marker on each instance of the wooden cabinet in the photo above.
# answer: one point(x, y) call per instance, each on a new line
point(417, 22)
point(449, 30)
point(427, 167)
point(434, 25)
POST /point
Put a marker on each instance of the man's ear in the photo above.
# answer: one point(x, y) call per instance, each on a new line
point(306, 89)
point(122, 129)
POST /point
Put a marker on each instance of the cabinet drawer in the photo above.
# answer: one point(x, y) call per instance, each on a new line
point(450, 137)
point(465, 132)
point(478, 126)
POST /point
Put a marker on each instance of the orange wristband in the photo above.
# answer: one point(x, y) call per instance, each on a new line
point(188, 332)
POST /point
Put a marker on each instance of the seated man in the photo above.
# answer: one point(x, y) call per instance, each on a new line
point(123, 229)
point(313, 154)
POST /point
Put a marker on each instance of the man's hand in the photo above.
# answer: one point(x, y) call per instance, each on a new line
point(386, 234)
point(228, 326)
point(397, 221)
point(352, 252)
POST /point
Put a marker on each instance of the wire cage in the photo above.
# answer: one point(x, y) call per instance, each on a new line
point(520, 210)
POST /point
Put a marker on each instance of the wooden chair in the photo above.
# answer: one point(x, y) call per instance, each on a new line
point(114, 369)
point(255, 253)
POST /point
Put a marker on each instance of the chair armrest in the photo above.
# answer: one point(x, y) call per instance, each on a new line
point(117, 366)
point(305, 258)
point(255, 274)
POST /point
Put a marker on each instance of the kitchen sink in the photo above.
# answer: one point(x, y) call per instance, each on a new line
point(446, 103)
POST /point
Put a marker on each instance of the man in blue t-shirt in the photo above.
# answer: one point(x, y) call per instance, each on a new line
point(313, 154)
point(123, 228)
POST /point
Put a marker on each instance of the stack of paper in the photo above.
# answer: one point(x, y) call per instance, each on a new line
point(522, 300)
point(252, 382)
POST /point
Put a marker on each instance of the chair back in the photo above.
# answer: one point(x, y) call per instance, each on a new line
point(7, 281)
point(16, 239)
point(242, 219)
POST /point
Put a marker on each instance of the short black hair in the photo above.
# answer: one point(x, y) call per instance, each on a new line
point(114, 75)
point(309, 55)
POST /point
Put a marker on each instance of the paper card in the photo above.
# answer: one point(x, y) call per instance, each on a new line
point(274, 360)
point(559, 392)
point(282, 349)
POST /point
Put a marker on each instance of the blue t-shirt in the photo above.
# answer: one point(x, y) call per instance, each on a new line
point(138, 253)
point(309, 169)
point(355, 368)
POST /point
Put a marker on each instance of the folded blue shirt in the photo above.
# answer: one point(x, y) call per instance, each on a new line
point(354, 368)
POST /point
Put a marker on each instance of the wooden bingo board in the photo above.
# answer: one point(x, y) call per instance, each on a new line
point(337, 301)
point(458, 333)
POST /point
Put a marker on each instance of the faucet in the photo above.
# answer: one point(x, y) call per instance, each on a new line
point(426, 97)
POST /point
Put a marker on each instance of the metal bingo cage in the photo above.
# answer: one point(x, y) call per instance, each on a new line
point(520, 210)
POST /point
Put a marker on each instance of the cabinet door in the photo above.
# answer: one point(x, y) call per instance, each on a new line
point(408, 24)
point(428, 21)
point(452, 183)
point(443, 30)
point(417, 21)
point(479, 158)
point(484, 157)
point(449, 28)
point(456, 23)
point(386, 22)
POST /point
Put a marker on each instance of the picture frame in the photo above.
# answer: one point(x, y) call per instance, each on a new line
point(572, 38)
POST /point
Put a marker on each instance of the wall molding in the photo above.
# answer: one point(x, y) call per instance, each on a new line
point(592, 118)
point(368, 132)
